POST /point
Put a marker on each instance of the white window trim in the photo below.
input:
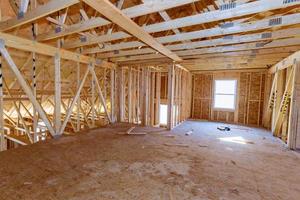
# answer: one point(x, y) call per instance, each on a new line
point(235, 95)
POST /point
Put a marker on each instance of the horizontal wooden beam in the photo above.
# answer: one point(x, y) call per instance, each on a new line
point(135, 11)
point(106, 8)
point(39, 12)
point(44, 49)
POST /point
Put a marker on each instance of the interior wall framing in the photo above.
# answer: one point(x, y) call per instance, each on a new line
point(249, 98)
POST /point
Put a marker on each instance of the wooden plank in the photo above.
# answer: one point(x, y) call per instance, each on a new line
point(93, 100)
point(2, 139)
point(138, 103)
point(39, 12)
point(33, 46)
point(152, 99)
point(78, 100)
point(171, 84)
point(157, 97)
point(112, 94)
point(115, 15)
point(293, 140)
point(57, 94)
point(34, 90)
point(121, 95)
point(130, 95)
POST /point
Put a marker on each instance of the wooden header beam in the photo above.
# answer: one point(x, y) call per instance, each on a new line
point(116, 16)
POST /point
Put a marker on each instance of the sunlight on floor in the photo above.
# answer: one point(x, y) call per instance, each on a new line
point(238, 139)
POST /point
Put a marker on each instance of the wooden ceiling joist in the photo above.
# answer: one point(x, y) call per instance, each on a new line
point(212, 16)
point(37, 13)
point(135, 11)
point(256, 37)
point(230, 48)
point(115, 15)
point(218, 15)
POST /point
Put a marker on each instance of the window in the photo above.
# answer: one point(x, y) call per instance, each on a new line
point(225, 94)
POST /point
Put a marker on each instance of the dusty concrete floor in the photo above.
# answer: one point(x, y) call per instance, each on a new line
point(246, 164)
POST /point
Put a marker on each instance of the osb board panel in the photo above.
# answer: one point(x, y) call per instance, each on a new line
point(255, 86)
point(231, 117)
point(250, 94)
point(202, 96)
point(222, 116)
point(253, 113)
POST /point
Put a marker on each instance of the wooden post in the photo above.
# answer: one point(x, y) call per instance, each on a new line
point(78, 100)
point(138, 97)
point(134, 84)
point(157, 97)
point(2, 138)
point(142, 97)
point(130, 95)
point(33, 4)
point(145, 96)
point(93, 100)
point(57, 94)
point(112, 94)
point(152, 99)
point(104, 84)
point(180, 94)
point(293, 139)
point(35, 116)
point(279, 88)
point(121, 94)
point(171, 83)
point(266, 111)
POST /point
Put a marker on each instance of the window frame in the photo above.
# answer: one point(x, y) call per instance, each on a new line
point(235, 95)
